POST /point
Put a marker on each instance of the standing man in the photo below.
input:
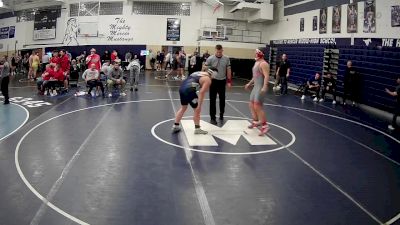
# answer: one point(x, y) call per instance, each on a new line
point(55, 59)
point(65, 67)
point(396, 113)
point(283, 73)
point(45, 61)
point(13, 64)
point(192, 63)
point(5, 78)
point(350, 84)
point(93, 58)
point(219, 82)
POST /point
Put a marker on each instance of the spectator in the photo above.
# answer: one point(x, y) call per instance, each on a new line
point(205, 56)
point(106, 68)
point(47, 73)
point(55, 59)
point(74, 71)
point(115, 77)
point(69, 55)
point(93, 58)
point(134, 72)
point(114, 55)
point(167, 60)
point(26, 64)
point(282, 74)
point(128, 57)
point(218, 85)
point(329, 86)
point(57, 77)
point(65, 66)
point(351, 84)
point(159, 62)
point(106, 57)
point(314, 84)
point(5, 78)
point(162, 58)
point(396, 113)
point(192, 63)
point(35, 64)
point(91, 77)
point(175, 66)
point(152, 59)
point(45, 61)
point(182, 64)
point(13, 64)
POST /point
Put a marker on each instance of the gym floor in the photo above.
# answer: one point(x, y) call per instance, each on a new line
point(82, 160)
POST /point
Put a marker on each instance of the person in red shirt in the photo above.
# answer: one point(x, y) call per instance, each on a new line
point(65, 66)
point(46, 75)
point(93, 58)
point(55, 59)
point(114, 55)
point(56, 76)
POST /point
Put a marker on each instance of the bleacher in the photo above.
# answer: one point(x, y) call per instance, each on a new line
point(305, 60)
point(378, 69)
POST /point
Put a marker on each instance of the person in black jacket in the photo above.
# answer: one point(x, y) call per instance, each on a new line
point(395, 93)
point(106, 57)
point(329, 86)
point(351, 84)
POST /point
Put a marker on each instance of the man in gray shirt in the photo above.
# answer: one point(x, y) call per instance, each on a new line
point(5, 78)
point(115, 77)
point(219, 82)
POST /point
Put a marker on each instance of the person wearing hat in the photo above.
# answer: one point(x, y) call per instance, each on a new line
point(197, 82)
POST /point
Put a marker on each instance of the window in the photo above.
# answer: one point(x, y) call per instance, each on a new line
point(29, 14)
point(95, 9)
point(161, 8)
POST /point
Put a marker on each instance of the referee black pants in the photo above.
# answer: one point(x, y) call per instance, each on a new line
point(4, 88)
point(217, 87)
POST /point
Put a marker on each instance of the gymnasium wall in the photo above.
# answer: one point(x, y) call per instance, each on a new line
point(149, 30)
point(288, 27)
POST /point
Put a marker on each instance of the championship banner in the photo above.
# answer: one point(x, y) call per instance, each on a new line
point(337, 19)
point(173, 29)
point(7, 32)
point(45, 24)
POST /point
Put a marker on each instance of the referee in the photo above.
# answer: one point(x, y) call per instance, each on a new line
point(219, 82)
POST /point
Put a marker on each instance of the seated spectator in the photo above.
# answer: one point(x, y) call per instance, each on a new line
point(105, 69)
point(116, 77)
point(117, 60)
point(44, 79)
point(91, 77)
point(314, 84)
point(56, 78)
point(395, 93)
point(74, 71)
point(329, 86)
